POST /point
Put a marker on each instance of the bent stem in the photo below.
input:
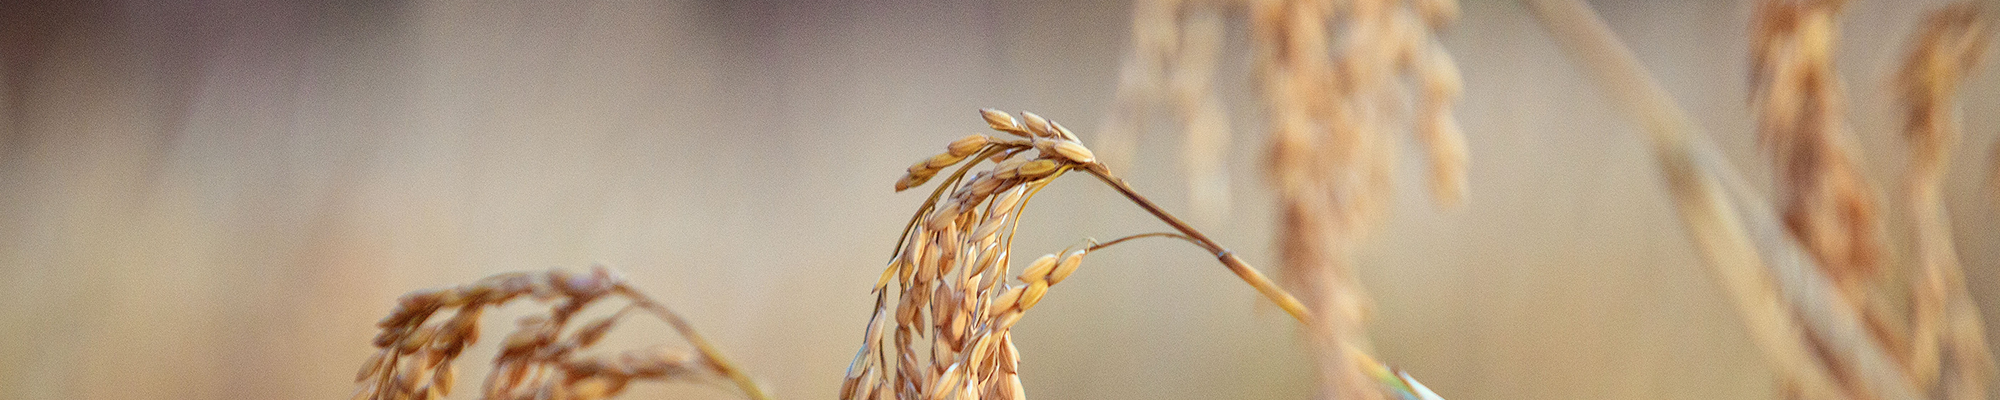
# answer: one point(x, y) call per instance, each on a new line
point(1095, 247)
point(708, 352)
point(1270, 290)
point(1257, 280)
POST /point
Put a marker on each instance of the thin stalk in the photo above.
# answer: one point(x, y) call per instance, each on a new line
point(1228, 258)
point(1270, 290)
point(1094, 247)
point(708, 351)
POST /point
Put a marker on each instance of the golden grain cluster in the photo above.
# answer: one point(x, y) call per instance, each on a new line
point(954, 304)
point(945, 332)
point(1340, 80)
point(944, 311)
point(542, 359)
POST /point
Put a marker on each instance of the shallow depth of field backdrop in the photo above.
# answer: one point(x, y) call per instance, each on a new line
point(217, 199)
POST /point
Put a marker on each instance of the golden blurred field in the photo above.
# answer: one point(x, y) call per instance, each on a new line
point(218, 199)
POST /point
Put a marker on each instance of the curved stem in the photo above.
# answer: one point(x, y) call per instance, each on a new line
point(1278, 295)
point(708, 351)
point(1141, 236)
point(1243, 270)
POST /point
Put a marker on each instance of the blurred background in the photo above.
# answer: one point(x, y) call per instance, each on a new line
point(217, 199)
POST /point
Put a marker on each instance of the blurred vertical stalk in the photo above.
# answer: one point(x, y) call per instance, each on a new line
point(1790, 307)
point(1943, 318)
point(1176, 46)
point(1338, 80)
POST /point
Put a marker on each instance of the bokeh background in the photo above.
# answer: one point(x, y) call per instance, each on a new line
point(217, 199)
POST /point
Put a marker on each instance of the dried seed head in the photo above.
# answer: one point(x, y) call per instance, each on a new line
point(910, 181)
point(999, 256)
point(1006, 320)
point(922, 168)
point(1075, 152)
point(941, 161)
point(592, 332)
point(990, 227)
point(975, 278)
point(1067, 266)
point(1004, 204)
point(371, 367)
point(906, 314)
point(447, 377)
point(955, 331)
point(927, 270)
point(1063, 132)
point(409, 373)
point(1010, 356)
point(955, 264)
point(1038, 125)
point(999, 156)
point(658, 361)
point(967, 146)
point(1039, 270)
point(941, 303)
point(983, 186)
point(429, 392)
point(520, 341)
point(423, 298)
point(947, 382)
point(849, 386)
point(1009, 169)
point(1034, 294)
point(1013, 391)
point(1036, 169)
point(592, 388)
point(1006, 301)
point(981, 349)
point(416, 341)
point(1000, 121)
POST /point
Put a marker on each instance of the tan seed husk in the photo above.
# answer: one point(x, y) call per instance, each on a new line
point(1006, 301)
point(910, 181)
point(1004, 204)
point(1068, 266)
point(1075, 152)
point(967, 146)
point(1034, 294)
point(1012, 390)
point(940, 161)
point(1062, 132)
point(1000, 121)
point(1038, 271)
point(1036, 169)
point(1038, 125)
